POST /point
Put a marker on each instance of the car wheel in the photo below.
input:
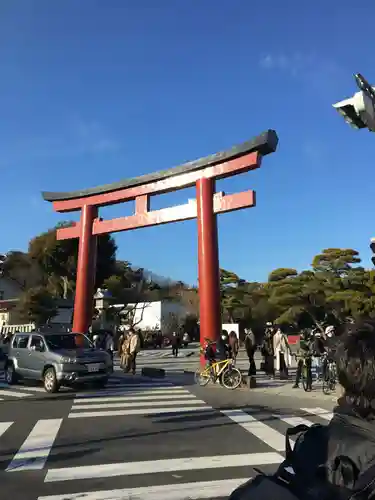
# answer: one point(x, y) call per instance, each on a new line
point(10, 374)
point(50, 381)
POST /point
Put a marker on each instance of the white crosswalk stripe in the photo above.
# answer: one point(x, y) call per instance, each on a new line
point(34, 389)
point(148, 479)
point(137, 399)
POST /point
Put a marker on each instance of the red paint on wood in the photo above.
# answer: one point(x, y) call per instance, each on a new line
point(208, 263)
point(142, 204)
point(293, 339)
point(86, 267)
point(222, 203)
point(244, 163)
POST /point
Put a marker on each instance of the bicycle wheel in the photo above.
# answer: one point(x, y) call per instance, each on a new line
point(231, 378)
point(305, 383)
point(333, 378)
point(202, 377)
point(327, 382)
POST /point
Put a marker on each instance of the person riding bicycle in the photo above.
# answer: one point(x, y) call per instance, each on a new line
point(305, 358)
point(217, 351)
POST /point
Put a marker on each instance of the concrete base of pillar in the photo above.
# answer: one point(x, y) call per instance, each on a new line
point(153, 372)
point(251, 382)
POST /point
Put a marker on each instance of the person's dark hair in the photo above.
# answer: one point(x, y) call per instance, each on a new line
point(355, 360)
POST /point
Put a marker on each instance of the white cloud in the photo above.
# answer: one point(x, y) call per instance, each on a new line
point(314, 70)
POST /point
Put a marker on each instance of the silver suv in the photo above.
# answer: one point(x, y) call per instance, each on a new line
point(57, 359)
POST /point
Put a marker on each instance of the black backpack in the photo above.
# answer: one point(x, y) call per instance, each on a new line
point(301, 479)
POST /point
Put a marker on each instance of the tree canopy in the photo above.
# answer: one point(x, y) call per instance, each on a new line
point(335, 289)
point(47, 272)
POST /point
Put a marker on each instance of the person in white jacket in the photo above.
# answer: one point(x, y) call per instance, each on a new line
point(282, 353)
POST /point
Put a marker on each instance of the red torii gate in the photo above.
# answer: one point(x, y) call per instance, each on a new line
point(202, 173)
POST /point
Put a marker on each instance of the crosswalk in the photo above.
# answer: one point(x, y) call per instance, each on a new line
point(34, 389)
point(214, 451)
point(144, 398)
point(17, 392)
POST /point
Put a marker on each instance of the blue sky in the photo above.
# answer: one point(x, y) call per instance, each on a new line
point(92, 92)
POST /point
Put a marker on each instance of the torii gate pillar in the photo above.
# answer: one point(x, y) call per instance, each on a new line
point(208, 261)
point(202, 173)
point(86, 266)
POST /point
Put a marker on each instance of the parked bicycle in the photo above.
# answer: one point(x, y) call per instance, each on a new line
point(329, 377)
point(306, 373)
point(229, 376)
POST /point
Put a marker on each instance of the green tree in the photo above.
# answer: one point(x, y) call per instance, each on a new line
point(19, 267)
point(297, 298)
point(58, 260)
point(232, 294)
point(281, 274)
point(37, 305)
point(337, 261)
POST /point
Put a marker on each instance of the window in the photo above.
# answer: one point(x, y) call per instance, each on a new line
point(20, 341)
point(1, 294)
point(37, 342)
point(67, 341)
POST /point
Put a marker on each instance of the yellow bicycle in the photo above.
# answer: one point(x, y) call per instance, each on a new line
point(230, 377)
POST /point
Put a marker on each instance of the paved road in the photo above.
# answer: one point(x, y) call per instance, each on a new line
point(144, 439)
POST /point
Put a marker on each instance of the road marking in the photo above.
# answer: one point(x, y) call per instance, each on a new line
point(36, 448)
point(4, 385)
point(319, 412)
point(136, 397)
point(143, 411)
point(192, 491)
point(294, 421)
point(136, 393)
point(160, 466)
point(4, 426)
point(134, 388)
point(265, 433)
point(31, 389)
point(15, 394)
point(189, 401)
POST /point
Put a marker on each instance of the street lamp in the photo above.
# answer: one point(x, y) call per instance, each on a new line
point(359, 110)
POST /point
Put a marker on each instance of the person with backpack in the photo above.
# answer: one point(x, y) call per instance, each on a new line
point(335, 461)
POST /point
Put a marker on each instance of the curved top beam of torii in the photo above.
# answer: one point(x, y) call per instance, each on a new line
point(263, 144)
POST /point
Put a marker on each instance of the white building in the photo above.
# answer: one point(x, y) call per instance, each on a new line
point(165, 316)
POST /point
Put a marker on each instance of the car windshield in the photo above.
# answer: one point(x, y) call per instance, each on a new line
point(68, 341)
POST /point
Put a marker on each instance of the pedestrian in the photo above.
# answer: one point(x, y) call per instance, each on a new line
point(250, 346)
point(304, 356)
point(282, 353)
point(134, 348)
point(268, 352)
point(96, 341)
point(110, 344)
point(124, 353)
point(175, 342)
point(233, 344)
